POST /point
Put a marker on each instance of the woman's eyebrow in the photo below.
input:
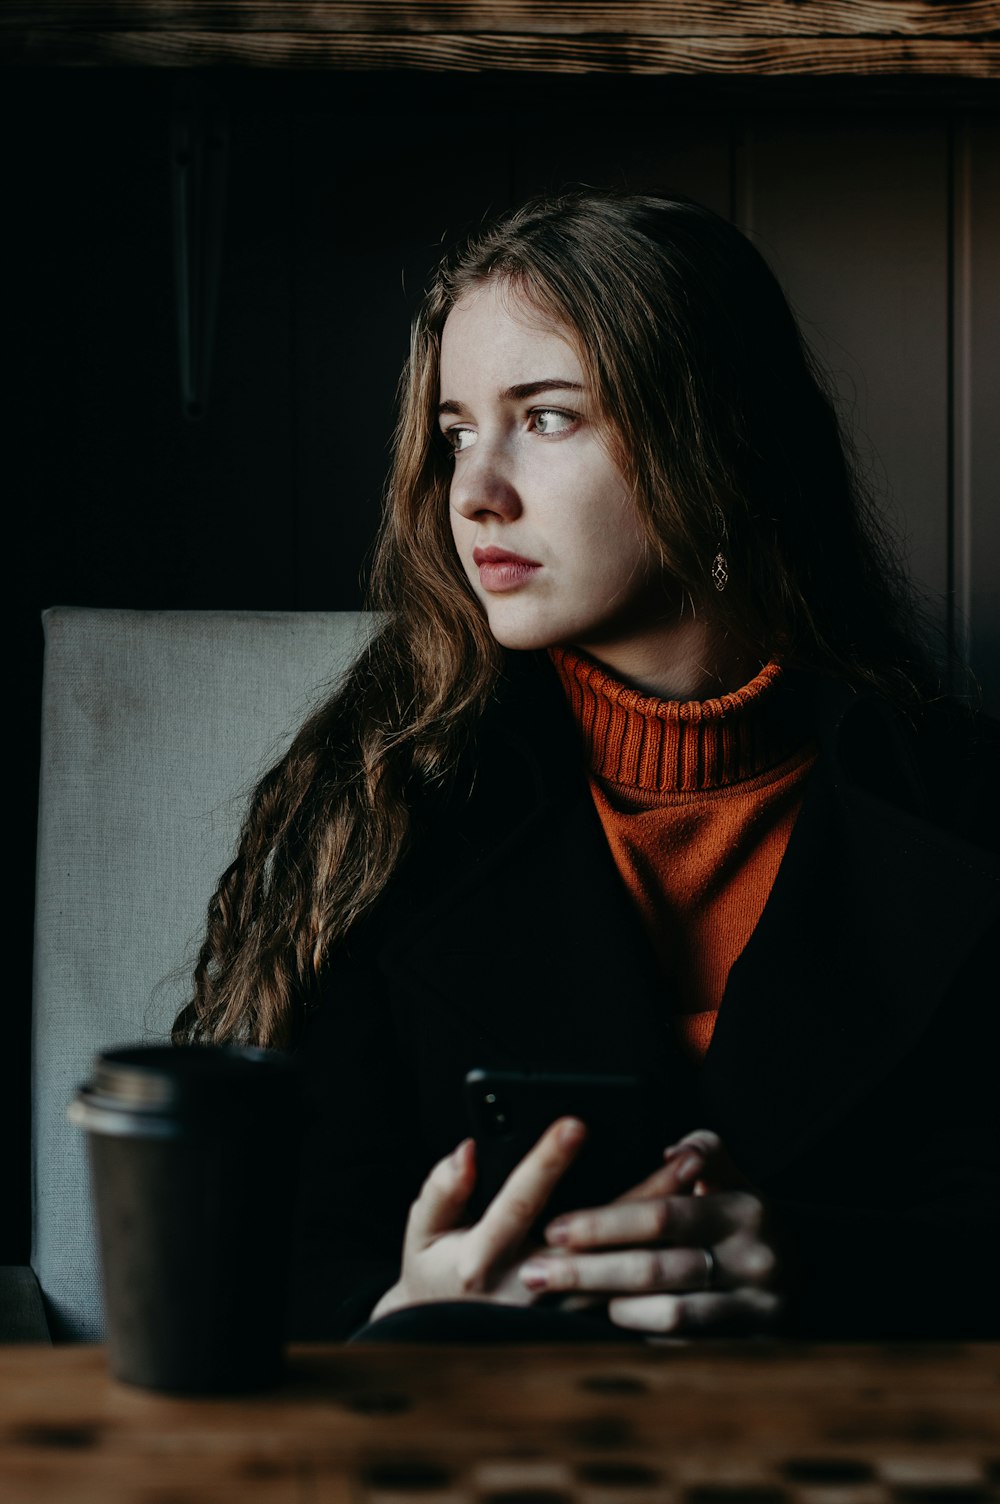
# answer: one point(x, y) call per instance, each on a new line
point(523, 390)
point(532, 388)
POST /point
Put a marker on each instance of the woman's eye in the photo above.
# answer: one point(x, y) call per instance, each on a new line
point(549, 420)
point(458, 439)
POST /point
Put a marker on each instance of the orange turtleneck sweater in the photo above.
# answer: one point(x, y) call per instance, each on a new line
point(697, 799)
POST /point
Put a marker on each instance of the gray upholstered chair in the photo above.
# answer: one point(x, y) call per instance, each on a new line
point(155, 726)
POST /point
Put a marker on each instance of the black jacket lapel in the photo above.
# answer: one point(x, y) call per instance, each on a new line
point(873, 915)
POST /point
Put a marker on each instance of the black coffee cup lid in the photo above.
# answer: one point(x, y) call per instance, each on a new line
point(184, 1080)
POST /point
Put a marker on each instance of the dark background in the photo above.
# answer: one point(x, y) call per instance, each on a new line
point(877, 204)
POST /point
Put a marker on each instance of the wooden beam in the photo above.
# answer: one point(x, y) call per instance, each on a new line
point(639, 18)
point(741, 56)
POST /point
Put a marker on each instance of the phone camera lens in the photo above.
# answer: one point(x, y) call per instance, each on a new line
point(497, 1114)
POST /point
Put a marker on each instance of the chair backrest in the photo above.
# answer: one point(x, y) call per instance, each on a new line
point(155, 726)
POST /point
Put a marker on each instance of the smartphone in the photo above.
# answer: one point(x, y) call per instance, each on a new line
point(508, 1111)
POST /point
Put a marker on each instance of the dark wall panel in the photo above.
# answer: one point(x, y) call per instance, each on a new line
point(133, 503)
point(977, 398)
point(853, 216)
point(647, 149)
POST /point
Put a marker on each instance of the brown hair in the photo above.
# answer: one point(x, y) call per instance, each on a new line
point(722, 427)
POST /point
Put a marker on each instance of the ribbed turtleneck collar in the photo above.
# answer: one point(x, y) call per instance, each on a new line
point(679, 746)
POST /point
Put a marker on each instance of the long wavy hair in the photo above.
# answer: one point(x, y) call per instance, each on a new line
point(727, 437)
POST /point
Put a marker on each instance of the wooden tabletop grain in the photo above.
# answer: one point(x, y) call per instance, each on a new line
point(706, 1424)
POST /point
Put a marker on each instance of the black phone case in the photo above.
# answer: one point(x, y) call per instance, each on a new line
point(510, 1110)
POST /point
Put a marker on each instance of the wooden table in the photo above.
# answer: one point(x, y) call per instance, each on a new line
point(705, 1424)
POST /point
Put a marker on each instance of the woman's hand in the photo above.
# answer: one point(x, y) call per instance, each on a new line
point(444, 1260)
point(688, 1250)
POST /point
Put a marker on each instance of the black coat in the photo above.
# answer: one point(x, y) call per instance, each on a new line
point(853, 1071)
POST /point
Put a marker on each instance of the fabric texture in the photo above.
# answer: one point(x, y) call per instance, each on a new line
point(669, 749)
point(853, 1069)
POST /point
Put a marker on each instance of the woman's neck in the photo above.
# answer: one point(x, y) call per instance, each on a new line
point(687, 660)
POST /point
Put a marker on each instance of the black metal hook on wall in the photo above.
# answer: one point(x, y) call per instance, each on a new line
point(199, 150)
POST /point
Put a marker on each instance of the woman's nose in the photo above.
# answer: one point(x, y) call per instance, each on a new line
point(483, 485)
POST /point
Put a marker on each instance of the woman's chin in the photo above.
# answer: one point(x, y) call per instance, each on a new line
point(524, 636)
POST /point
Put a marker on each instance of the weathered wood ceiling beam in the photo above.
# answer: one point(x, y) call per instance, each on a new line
point(555, 17)
point(762, 37)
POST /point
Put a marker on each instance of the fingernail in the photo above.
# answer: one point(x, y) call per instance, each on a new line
point(535, 1276)
point(689, 1167)
point(458, 1157)
point(571, 1133)
point(673, 1151)
point(557, 1232)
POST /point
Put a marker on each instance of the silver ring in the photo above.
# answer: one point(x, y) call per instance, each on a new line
point(711, 1265)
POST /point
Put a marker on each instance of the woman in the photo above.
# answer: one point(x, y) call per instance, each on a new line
point(644, 772)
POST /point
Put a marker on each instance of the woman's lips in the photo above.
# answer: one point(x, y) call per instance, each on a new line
point(501, 570)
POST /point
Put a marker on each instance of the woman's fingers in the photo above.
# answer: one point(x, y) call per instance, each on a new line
point(508, 1219)
point(718, 1173)
point(627, 1269)
point(475, 1252)
point(738, 1261)
point(677, 1220)
point(711, 1311)
point(671, 1179)
point(670, 1261)
point(443, 1196)
point(696, 1161)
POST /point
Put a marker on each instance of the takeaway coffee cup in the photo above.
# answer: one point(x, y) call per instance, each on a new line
point(193, 1153)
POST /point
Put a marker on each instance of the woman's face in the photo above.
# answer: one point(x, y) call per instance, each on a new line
point(540, 513)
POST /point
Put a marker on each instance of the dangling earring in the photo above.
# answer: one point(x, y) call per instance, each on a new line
point(720, 570)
